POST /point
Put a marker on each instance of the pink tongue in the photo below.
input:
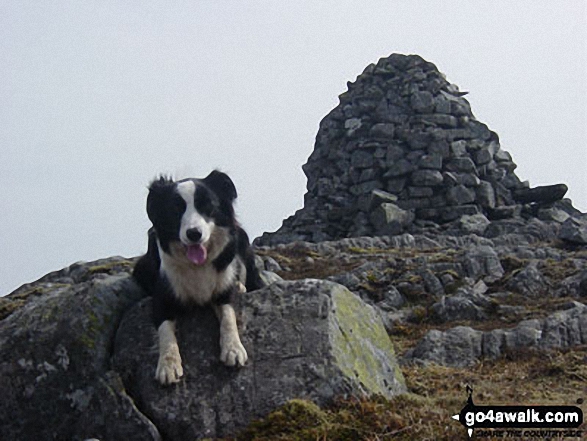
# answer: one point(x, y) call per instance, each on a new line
point(197, 254)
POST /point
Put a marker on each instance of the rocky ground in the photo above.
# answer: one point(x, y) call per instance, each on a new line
point(497, 305)
point(500, 309)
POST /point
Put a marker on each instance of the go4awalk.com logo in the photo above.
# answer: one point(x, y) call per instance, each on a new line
point(520, 421)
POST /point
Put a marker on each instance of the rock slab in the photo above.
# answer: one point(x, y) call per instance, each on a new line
point(55, 376)
point(306, 339)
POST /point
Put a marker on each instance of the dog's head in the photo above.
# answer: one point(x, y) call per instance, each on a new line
point(192, 214)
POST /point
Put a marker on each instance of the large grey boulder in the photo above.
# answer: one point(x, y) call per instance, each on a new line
point(307, 339)
point(55, 348)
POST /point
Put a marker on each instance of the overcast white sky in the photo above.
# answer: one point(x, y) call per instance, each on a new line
point(98, 97)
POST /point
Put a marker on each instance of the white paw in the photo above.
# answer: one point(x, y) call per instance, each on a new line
point(169, 369)
point(240, 287)
point(232, 352)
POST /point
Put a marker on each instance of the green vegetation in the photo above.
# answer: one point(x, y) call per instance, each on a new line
point(436, 393)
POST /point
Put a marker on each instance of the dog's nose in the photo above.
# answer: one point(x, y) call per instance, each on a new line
point(193, 234)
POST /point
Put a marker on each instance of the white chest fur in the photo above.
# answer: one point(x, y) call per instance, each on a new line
point(195, 284)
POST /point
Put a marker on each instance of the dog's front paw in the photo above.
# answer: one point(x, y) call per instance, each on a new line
point(233, 353)
point(169, 369)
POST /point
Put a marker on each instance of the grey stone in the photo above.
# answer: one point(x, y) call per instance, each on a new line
point(365, 187)
point(383, 130)
point(463, 164)
point(393, 154)
point(392, 299)
point(368, 174)
point(502, 156)
point(390, 112)
point(482, 261)
point(460, 195)
point(55, 371)
point(374, 199)
point(270, 264)
point(390, 219)
point(485, 195)
point(324, 187)
point(574, 230)
point(414, 203)
point(362, 159)
point(440, 148)
point(528, 282)
point(505, 212)
point(432, 283)
point(469, 179)
point(458, 148)
point(308, 338)
point(441, 120)
point(460, 307)
point(553, 214)
point(542, 194)
point(352, 125)
point(476, 224)
point(483, 156)
point(457, 347)
point(380, 153)
point(399, 168)
point(457, 211)
point(422, 102)
point(464, 346)
point(419, 140)
point(450, 179)
point(430, 161)
point(442, 105)
point(396, 185)
point(426, 178)
point(420, 192)
point(269, 277)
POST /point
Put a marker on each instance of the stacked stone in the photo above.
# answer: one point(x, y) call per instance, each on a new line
point(402, 145)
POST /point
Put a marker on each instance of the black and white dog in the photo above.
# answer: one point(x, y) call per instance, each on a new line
point(197, 255)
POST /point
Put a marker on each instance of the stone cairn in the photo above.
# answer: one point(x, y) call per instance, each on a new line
point(403, 148)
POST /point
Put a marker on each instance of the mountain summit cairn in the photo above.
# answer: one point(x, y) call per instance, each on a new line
point(403, 148)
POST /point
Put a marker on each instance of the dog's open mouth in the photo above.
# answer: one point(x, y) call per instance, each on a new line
point(197, 254)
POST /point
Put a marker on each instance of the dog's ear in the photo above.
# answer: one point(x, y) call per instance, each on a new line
point(157, 189)
point(221, 184)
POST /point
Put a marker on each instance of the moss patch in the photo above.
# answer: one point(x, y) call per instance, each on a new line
point(21, 297)
point(436, 393)
point(362, 348)
point(350, 420)
point(113, 267)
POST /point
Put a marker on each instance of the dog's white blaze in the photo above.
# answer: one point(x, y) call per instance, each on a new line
point(191, 218)
point(169, 368)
